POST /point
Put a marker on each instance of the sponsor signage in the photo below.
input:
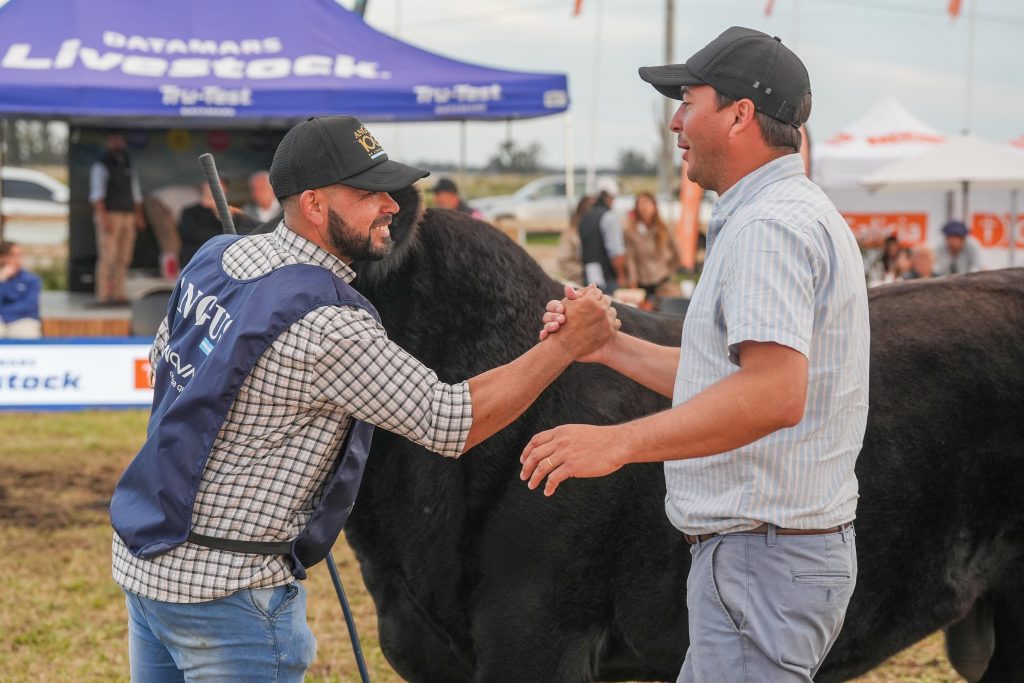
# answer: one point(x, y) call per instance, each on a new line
point(911, 228)
point(70, 374)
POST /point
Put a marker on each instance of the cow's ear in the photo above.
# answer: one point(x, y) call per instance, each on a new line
point(405, 233)
point(410, 211)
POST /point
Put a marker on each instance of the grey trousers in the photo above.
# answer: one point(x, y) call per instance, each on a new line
point(766, 607)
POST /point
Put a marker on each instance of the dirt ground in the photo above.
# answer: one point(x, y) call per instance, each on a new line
point(61, 615)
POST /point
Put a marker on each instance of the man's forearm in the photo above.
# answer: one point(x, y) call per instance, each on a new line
point(504, 393)
point(732, 413)
point(619, 265)
point(652, 365)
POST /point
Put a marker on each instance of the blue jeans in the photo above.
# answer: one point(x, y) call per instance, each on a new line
point(766, 607)
point(257, 634)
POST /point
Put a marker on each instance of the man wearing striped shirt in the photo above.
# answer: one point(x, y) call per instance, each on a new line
point(769, 388)
point(215, 596)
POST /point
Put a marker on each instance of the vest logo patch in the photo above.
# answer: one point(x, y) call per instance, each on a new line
point(368, 142)
point(206, 311)
point(180, 366)
point(206, 346)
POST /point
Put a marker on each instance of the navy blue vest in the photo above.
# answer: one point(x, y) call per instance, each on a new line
point(218, 328)
point(119, 182)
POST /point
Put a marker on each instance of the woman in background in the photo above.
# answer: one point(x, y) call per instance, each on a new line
point(652, 256)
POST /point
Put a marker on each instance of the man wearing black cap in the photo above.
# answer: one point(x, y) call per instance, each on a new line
point(959, 252)
point(270, 373)
point(446, 196)
point(769, 387)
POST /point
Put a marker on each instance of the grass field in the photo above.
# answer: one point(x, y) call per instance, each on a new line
point(61, 616)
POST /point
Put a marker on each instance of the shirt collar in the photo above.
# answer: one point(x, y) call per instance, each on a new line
point(749, 185)
point(308, 252)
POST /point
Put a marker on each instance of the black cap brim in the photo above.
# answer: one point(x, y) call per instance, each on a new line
point(668, 79)
point(389, 176)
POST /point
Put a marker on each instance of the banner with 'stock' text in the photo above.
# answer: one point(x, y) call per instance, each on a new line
point(71, 374)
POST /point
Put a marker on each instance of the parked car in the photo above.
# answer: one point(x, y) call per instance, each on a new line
point(34, 206)
point(32, 193)
point(540, 205)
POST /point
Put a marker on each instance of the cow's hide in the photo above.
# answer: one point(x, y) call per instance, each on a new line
point(477, 578)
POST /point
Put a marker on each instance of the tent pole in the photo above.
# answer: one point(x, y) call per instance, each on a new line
point(462, 153)
point(595, 88)
point(570, 172)
point(964, 186)
point(1014, 232)
point(3, 150)
point(665, 169)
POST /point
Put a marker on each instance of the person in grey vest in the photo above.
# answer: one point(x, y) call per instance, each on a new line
point(602, 245)
point(116, 199)
point(770, 385)
point(959, 251)
point(218, 603)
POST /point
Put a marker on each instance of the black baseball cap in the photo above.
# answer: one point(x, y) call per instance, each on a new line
point(741, 63)
point(445, 185)
point(325, 150)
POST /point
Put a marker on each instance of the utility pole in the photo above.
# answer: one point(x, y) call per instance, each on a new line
point(666, 172)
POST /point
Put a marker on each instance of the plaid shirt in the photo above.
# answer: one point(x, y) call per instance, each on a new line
point(284, 430)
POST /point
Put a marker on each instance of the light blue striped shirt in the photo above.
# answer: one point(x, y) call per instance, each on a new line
point(782, 266)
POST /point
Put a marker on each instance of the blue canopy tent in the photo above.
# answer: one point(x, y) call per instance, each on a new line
point(239, 62)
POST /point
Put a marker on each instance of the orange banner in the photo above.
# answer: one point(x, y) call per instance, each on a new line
point(990, 229)
point(954, 8)
point(141, 373)
point(871, 229)
point(688, 228)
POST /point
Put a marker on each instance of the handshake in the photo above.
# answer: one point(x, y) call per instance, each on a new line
point(583, 323)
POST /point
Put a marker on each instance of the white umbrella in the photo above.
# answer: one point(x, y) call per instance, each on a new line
point(958, 163)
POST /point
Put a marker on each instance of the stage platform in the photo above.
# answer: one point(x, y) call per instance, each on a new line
point(75, 314)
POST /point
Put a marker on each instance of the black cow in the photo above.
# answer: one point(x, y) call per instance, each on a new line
point(476, 578)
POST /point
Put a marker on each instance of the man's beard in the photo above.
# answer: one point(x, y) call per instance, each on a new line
point(345, 239)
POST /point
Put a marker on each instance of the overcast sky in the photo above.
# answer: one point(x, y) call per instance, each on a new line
point(856, 52)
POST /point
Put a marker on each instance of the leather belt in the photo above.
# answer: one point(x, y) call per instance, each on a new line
point(763, 529)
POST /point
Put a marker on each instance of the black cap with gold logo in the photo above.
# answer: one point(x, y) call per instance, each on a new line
point(326, 150)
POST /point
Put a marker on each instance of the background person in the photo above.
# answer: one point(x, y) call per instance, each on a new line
point(116, 199)
point(446, 196)
point(200, 222)
point(652, 257)
point(884, 267)
point(19, 296)
point(959, 251)
point(602, 244)
point(761, 381)
point(263, 205)
point(259, 384)
point(921, 263)
point(570, 263)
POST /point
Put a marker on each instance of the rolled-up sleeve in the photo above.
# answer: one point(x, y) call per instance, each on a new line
point(611, 231)
point(98, 176)
point(372, 378)
point(768, 293)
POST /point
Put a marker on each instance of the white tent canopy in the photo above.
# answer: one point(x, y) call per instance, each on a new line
point(961, 162)
point(886, 133)
point(947, 166)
